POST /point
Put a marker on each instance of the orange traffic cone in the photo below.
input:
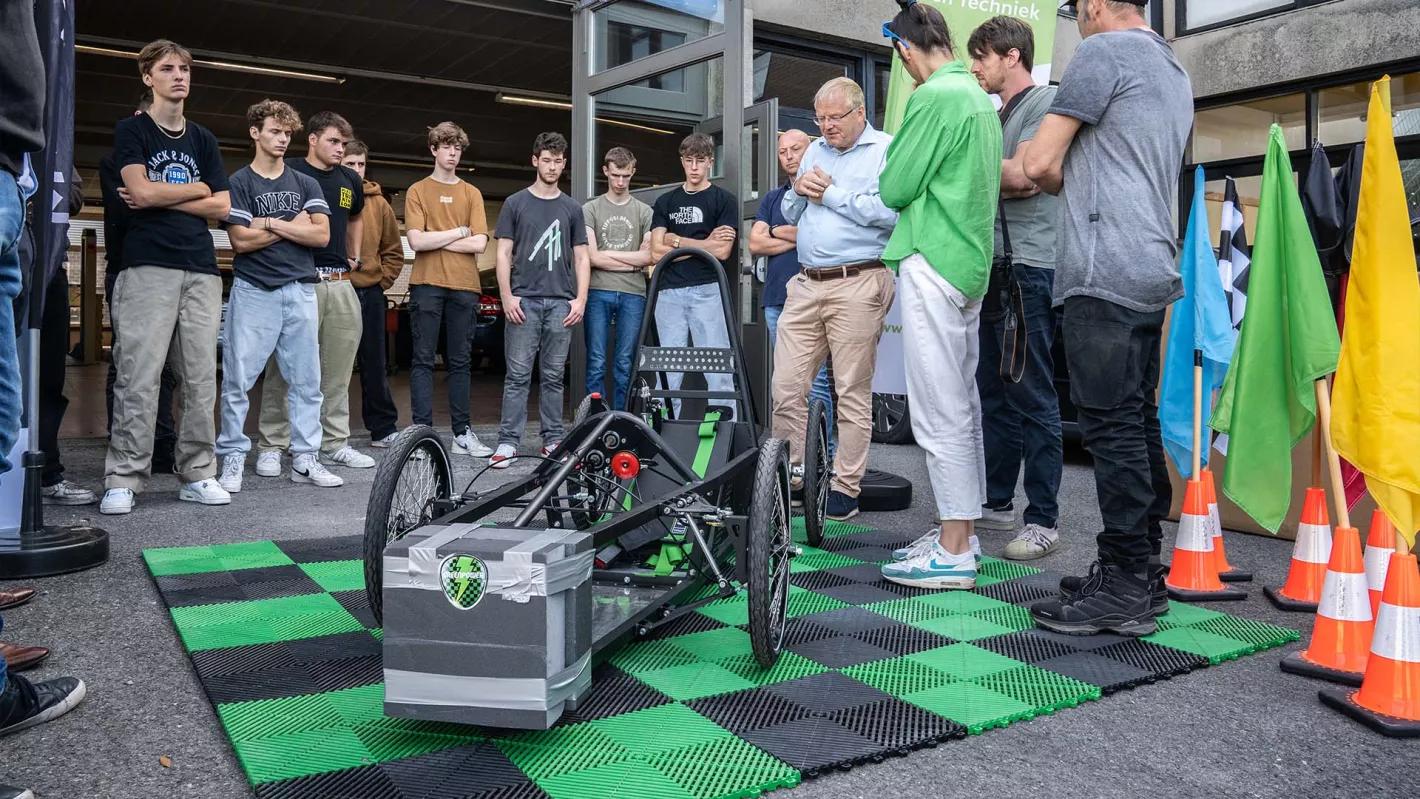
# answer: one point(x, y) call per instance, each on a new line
point(1302, 591)
point(1341, 639)
point(1378, 551)
point(1389, 698)
point(1226, 572)
point(1192, 575)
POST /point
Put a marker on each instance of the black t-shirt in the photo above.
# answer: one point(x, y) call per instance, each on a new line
point(693, 216)
point(284, 197)
point(162, 236)
point(345, 195)
point(115, 215)
point(544, 233)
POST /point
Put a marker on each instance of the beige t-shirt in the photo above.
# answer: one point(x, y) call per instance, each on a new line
point(620, 228)
point(432, 206)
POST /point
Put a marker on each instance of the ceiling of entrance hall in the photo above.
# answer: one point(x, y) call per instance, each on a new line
point(405, 65)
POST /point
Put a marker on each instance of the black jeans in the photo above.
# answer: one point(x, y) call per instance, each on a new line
point(429, 307)
point(376, 402)
point(1021, 421)
point(53, 359)
point(165, 432)
point(1113, 356)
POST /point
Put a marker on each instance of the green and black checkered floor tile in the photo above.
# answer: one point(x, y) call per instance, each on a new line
point(284, 644)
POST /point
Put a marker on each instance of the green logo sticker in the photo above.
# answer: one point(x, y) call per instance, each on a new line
point(463, 578)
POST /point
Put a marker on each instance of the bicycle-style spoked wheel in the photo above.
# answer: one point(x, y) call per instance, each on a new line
point(818, 473)
point(768, 549)
point(410, 479)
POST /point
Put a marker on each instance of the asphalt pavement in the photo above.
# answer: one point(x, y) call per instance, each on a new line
point(1242, 729)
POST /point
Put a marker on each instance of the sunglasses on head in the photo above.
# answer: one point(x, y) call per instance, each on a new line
point(888, 34)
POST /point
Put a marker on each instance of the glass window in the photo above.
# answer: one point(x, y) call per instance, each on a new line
point(634, 29)
point(1202, 13)
point(626, 43)
point(882, 74)
point(651, 123)
point(1241, 130)
point(1249, 189)
point(1342, 110)
point(793, 78)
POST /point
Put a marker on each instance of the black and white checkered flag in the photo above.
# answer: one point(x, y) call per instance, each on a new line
point(1234, 256)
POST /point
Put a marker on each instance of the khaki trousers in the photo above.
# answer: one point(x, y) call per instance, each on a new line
point(163, 315)
point(338, 308)
point(842, 318)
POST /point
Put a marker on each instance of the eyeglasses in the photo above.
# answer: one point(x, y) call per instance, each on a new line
point(888, 34)
point(836, 118)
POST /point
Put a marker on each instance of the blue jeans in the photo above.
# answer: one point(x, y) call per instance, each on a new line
point(260, 322)
point(541, 337)
point(694, 317)
point(605, 308)
point(12, 221)
point(1021, 421)
point(822, 388)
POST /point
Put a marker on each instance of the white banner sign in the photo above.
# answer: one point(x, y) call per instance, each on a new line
point(891, 375)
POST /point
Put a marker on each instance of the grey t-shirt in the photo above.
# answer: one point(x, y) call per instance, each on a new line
point(1117, 237)
point(1033, 221)
point(543, 233)
point(619, 228)
point(285, 197)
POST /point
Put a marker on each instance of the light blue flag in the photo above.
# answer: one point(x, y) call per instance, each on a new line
point(1200, 321)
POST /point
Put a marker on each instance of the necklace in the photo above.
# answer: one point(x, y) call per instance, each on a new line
point(169, 133)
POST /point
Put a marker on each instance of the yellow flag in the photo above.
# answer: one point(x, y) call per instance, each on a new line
point(1376, 424)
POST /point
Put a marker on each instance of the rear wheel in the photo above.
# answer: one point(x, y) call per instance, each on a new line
point(818, 472)
point(410, 478)
point(892, 423)
point(768, 549)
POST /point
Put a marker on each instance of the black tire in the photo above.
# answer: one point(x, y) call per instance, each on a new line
point(412, 475)
point(583, 409)
point(818, 473)
point(892, 421)
point(768, 549)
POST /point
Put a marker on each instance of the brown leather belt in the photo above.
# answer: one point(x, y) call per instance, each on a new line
point(838, 272)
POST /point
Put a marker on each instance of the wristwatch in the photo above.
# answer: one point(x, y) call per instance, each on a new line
point(771, 231)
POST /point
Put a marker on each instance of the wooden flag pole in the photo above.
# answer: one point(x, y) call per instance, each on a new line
point(1197, 414)
point(1316, 459)
point(1333, 461)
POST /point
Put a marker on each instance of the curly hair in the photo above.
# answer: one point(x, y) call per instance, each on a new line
point(447, 133)
point(283, 113)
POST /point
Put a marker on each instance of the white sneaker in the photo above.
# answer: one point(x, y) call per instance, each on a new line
point(1000, 520)
point(351, 457)
point(384, 443)
point(934, 567)
point(232, 466)
point(467, 443)
point(501, 458)
point(207, 492)
point(1033, 542)
point(927, 541)
point(268, 463)
point(116, 501)
point(67, 493)
point(307, 468)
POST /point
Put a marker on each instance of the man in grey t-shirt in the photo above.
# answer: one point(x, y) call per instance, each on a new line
point(619, 245)
point(1112, 147)
point(1020, 421)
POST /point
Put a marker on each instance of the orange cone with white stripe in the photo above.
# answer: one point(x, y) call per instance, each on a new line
point(1193, 577)
point(1341, 638)
point(1226, 571)
point(1379, 545)
point(1389, 698)
point(1302, 591)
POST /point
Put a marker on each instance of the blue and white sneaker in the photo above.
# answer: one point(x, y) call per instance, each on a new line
point(930, 537)
point(934, 567)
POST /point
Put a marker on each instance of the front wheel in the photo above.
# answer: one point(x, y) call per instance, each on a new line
point(768, 549)
point(818, 473)
point(892, 421)
point(411, 477)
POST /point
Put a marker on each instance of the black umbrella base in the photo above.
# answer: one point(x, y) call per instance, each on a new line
point(55, 550)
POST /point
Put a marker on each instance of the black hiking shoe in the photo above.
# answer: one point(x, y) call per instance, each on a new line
point(1110, 600)
point(1158, 592)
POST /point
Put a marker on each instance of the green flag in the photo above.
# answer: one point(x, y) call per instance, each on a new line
point(1288, 340)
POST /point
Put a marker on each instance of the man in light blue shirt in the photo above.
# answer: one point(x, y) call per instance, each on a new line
point(835, 306)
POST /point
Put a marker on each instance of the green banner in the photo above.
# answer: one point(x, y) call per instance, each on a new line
point(963, 16)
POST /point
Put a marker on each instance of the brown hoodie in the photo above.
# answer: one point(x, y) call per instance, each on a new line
point(381, 252)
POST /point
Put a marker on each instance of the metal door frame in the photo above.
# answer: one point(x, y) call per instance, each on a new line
point(727, 45)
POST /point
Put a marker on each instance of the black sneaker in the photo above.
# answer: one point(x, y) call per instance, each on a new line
point(1110, 600)
point(25, 704)
point(841, 506)
point(11, 792)
point(1158, 592)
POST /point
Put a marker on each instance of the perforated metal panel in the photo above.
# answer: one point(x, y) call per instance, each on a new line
point(686, 359)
